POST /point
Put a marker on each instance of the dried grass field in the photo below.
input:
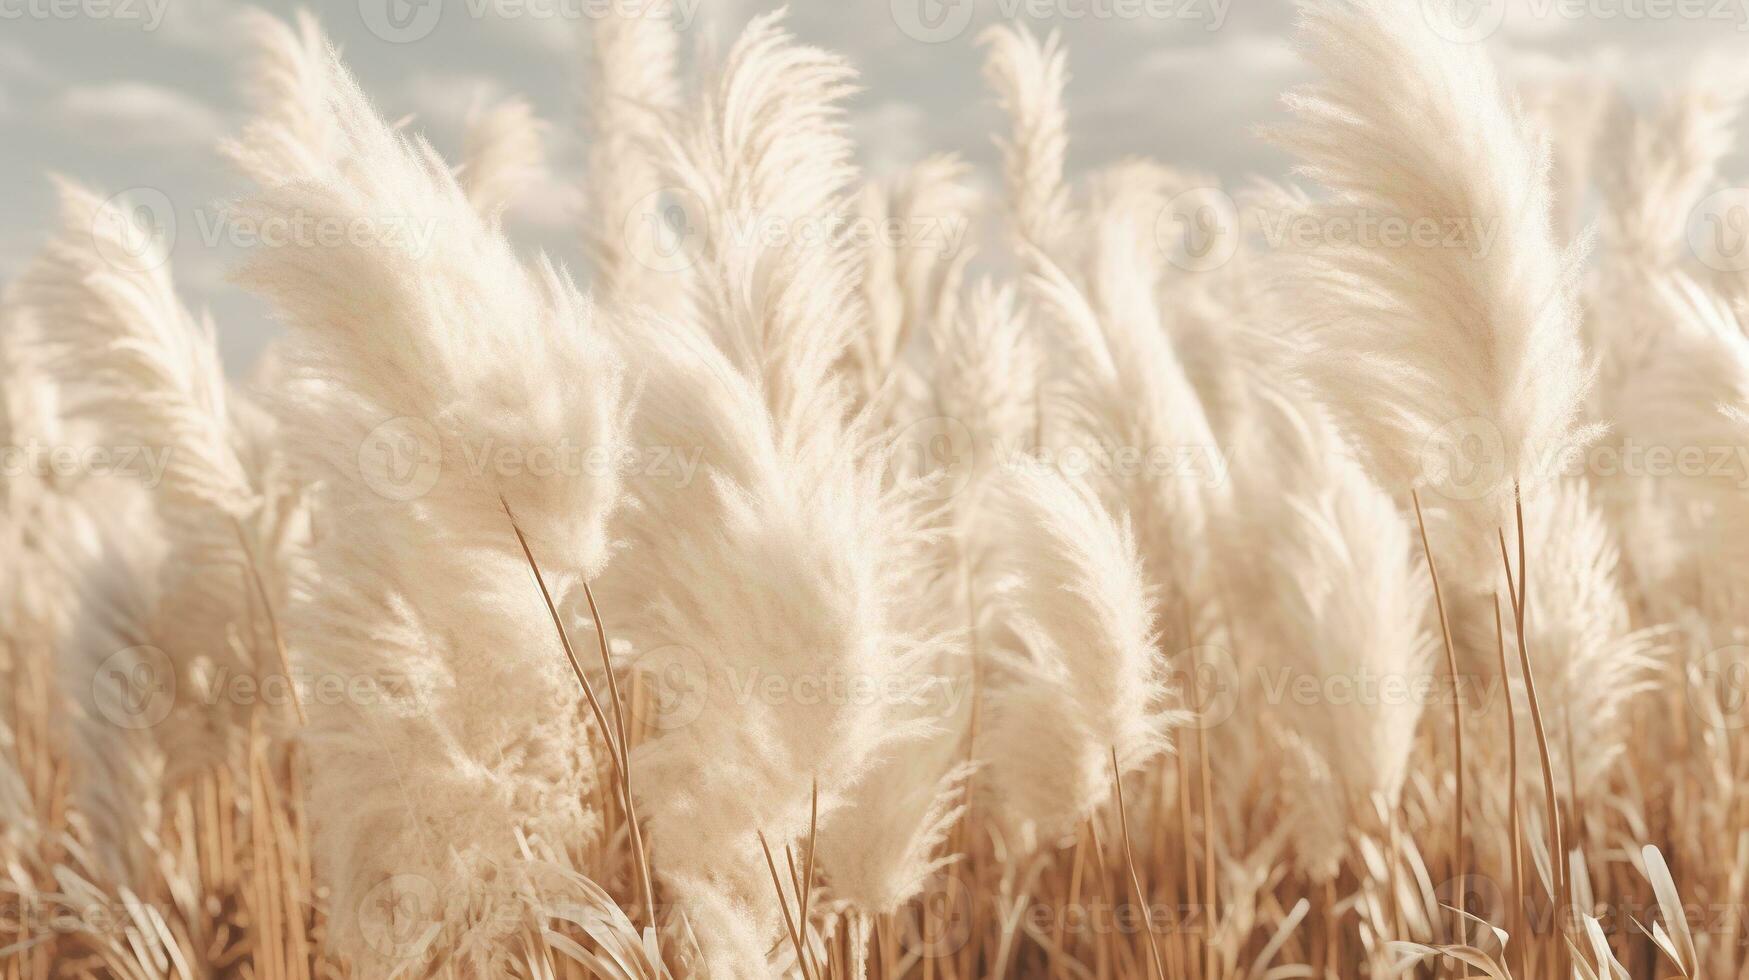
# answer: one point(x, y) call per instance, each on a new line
point(1040, 573)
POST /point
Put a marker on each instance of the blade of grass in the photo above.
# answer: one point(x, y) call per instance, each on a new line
point(1519, 592)
point(1513, 921)
point(1135, 880)
point(783, 902)
point(1457, 714)
point(615, 749)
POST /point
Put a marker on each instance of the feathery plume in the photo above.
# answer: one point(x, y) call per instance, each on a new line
point(766, 153)
point(788, 530)
point(1660, 166)
point(914, 261)
point(1028, 77)
point(115, 672)
point(504, 154)
point(145, 375)
point(1452, 348)
point(435, 382)
point(1591, 664)
point(293, 134)
point(633, 93)
point(779, 563)
point(1349, 612)
point(1126, 404)
point(1088, 679)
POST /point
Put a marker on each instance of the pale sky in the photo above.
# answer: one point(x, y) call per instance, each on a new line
point(125, 94)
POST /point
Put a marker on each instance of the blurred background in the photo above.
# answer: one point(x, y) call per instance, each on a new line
point(134, 94)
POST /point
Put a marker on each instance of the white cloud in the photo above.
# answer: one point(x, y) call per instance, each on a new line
point(18, 69)
point(205, 25)
point(1248, 57)
point(16, 61)
point(133, 113)
point(550, 33)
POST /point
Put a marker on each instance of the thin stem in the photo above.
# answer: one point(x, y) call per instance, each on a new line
point(1135, 880)
point(1457, 712)
point(640, 857)
point(272, 620)
point(783, 902)
point(1511, 787)
point(615, 753)
point(1519, 592)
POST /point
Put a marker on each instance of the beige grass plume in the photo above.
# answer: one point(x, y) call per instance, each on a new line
point(632, 87)
point(1089, 680)
point(144, 375)
point(505, 153)
point(771, 581)
point(433, 381)
point(1453, 358)
point(1028, 76)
